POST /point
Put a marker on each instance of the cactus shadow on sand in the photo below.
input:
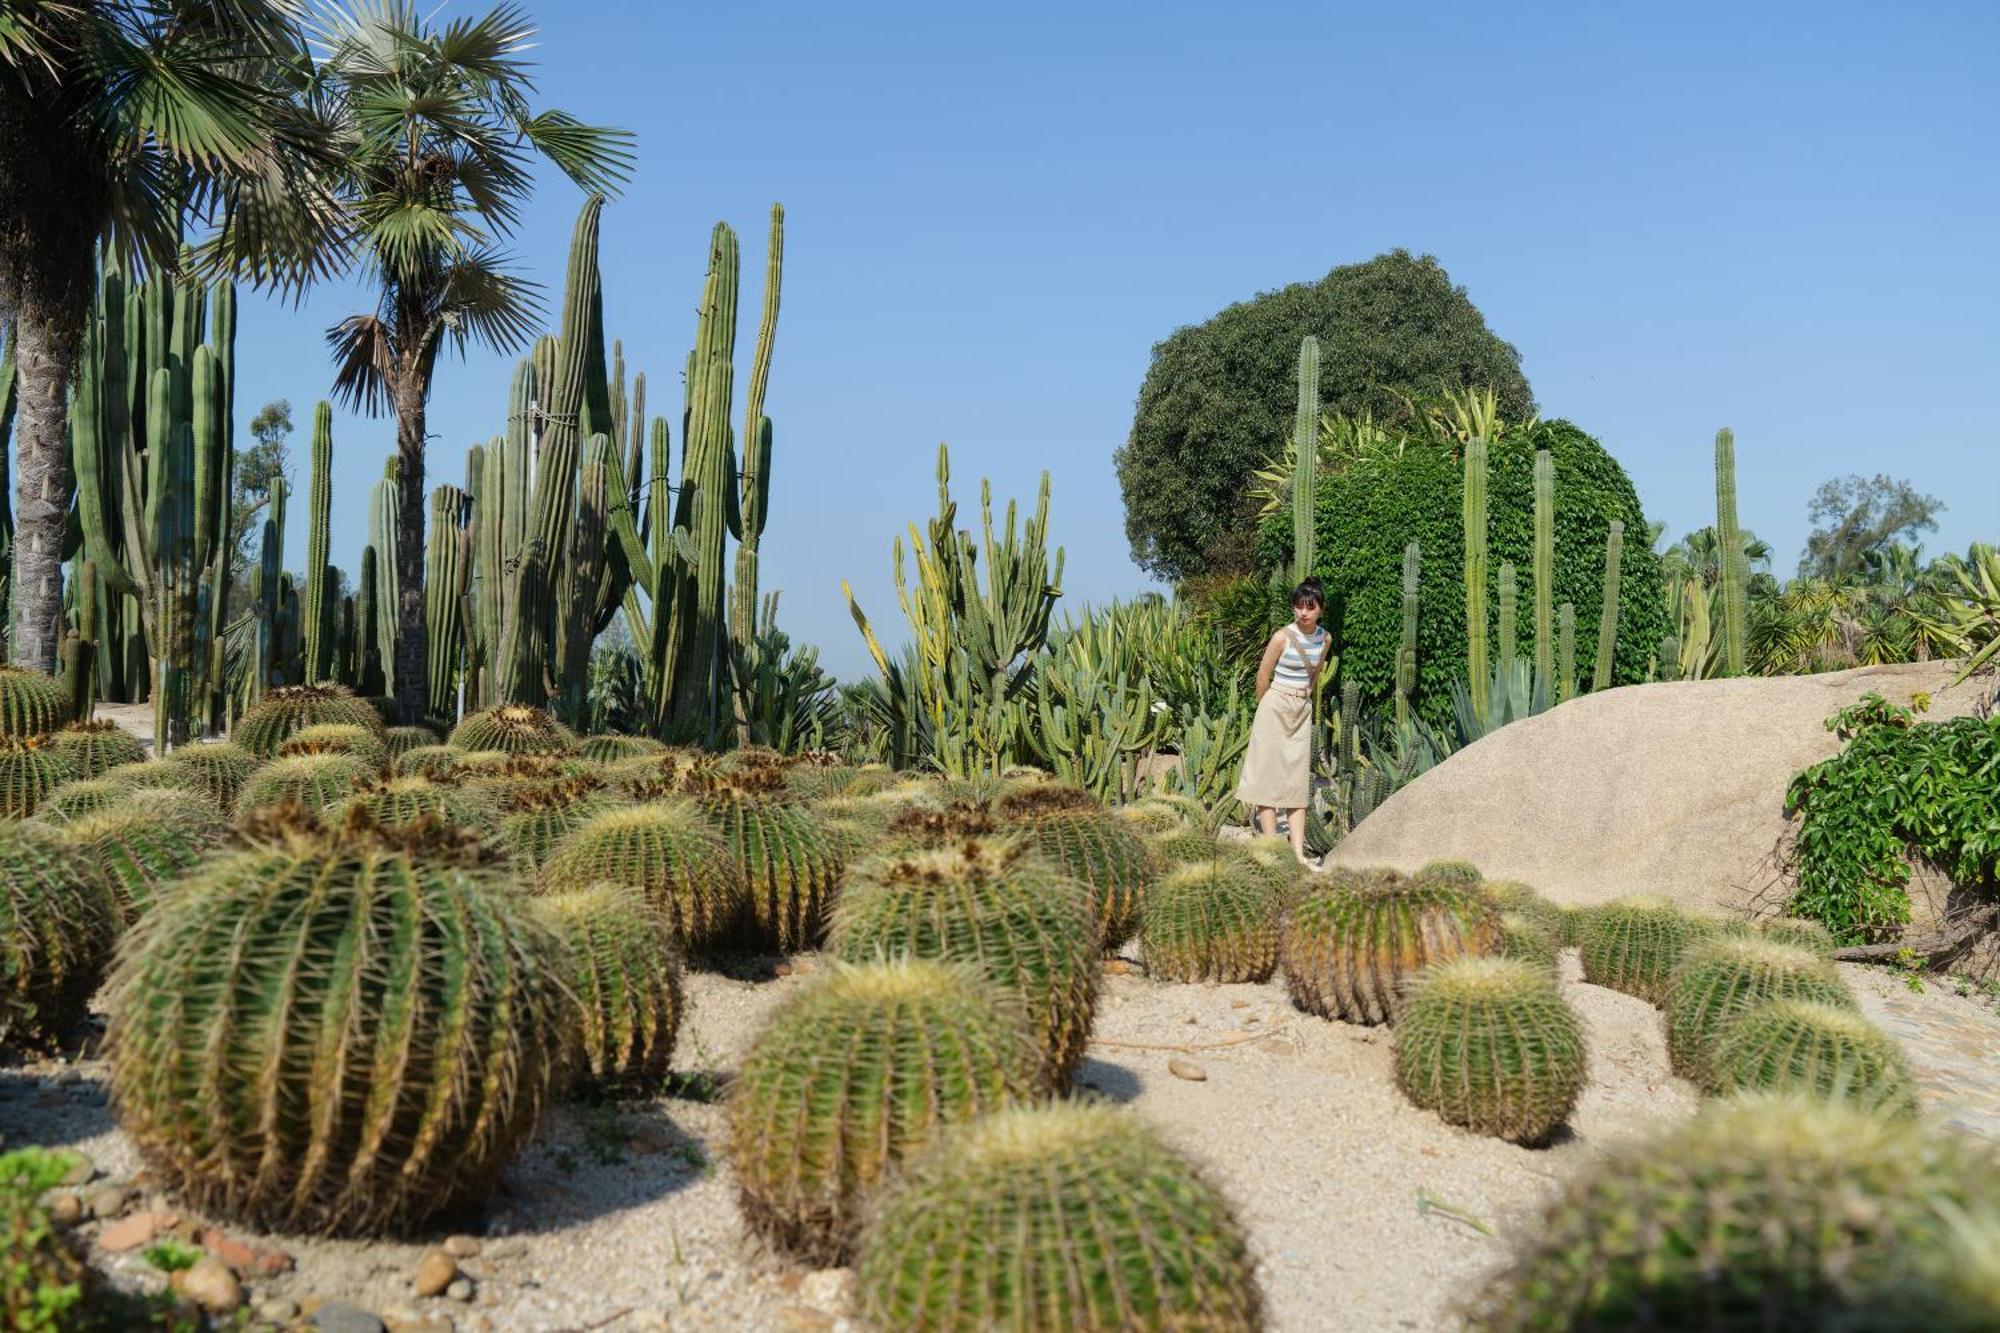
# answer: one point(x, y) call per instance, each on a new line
point(1099, 1079)
point(590, 1160)
point(35, 1108)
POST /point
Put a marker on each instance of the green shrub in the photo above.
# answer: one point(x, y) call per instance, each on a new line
point(315, 782)
point(1069, 1216)
point(992, 904)
point(93, 748)
point(270, 722)
point(30, 771)
point(667, 850)
point(1210, 923)
point(1720, 978)
point(624, 969)
point(1633, 945)
point(1808, 1046)
point(1368, 512)
point(1764, 1212)
point(859, 1072)
point(1352, 942)
point(31, 704)
point(411, 1021)
point(1490, 1044)
point(45, 1284)
point(58, 923)
point(514, 729)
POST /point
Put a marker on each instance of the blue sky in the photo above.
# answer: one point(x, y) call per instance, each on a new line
point(1776, 217)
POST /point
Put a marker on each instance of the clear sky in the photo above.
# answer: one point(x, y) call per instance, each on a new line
point(1777, 217)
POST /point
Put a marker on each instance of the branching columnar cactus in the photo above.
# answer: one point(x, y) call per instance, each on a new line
point(666, 849)
point(31, 703)
point(1352, 943)
point(791, 866)
point(1545, 563)
point(1808, 935)
point(995, 905)
point(402, 740)
point(400, 802)
point(625, 971)
point(1764, 1212)
point(535, 817)
point(1210, 923)
point(292, 708)
point(218, 769)
point(93, 748)
point(339, 738)
point(315, 782)
point(1723, 977)
point(145, 842)
point(1490, 1044)
point(1067, 1216)
point(515, 729)
point(859, 1072)
point(1807, 1046)
point(30, 770)
point(417, 1023)
point(1633, 945)
point(57, 927)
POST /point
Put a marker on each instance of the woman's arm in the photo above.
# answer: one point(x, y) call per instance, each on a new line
point(1272, 652)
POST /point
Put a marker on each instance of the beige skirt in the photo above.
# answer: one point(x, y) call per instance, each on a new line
point(1277, 768)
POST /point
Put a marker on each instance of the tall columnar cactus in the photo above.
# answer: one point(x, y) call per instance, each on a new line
point(1607, 620)
point(150, 434)
point(1305, 467)
point(1811, 1047)
point(58, 922)
point(316, 608)
point(1633, 945)
point(447, 569)
point(855, 1075)
point(1490, 1044)
point(1352, 943)
point(1724, 977)
point(1510, 618)
point(1478, 672)
point(1735, 560)
point(79, 650)
point(1545, 563)
point(669, 851)
point(1763, 1212)
point(624, 969)
point(418, 1024)
point(1214, 922)
point(267, 591)
point(1406, 654)
point(754, 506)
point(384, 504)
point(1565, 651)
point(1068, 1216)
point(994, 906)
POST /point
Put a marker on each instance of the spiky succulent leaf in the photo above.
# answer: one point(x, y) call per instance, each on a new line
point(1210, 923)
point(855, 1074)
point(1067, 1216)
point(58, 923)
point(1352, 942)
point(669, 851)
point(1490, 1044)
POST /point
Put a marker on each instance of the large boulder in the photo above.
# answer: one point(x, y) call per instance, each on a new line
point(1675, 789)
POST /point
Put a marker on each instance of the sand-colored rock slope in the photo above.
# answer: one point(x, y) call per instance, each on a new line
point(1676, 789)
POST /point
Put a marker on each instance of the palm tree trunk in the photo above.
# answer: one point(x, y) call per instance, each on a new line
point(411, 650)
point(47, 339)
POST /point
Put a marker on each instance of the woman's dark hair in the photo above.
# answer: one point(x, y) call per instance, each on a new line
point(1309, 591)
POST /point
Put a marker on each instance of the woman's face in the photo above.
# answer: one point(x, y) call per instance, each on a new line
point(1307, 615)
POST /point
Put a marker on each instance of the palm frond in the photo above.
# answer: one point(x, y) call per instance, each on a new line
point(597, 158)
point(479, 301)
point(365, 356)
point(488, 47)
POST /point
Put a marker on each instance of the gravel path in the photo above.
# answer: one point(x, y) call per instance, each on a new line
point(1365, 1213)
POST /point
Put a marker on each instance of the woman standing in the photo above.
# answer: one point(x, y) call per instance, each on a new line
point(1277, 770)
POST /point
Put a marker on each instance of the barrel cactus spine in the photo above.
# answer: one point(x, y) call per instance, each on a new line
point(536, 817)
point(790, 866)
point(58, 923)
point(402, 740)
point(401, 802)
point(1803, 934)
point(1352, 943)
point(624, 969)
point(1723, 977)
point(218, 768)
point(669, 851)
point(1490, 1044)
point(1811, 1047)
point(1634, 944)
point(1210, 923)
point(145, 842)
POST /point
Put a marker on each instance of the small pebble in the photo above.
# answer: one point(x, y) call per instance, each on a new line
point(65, 1209)
point(462, 1247)
point(434, 1274)
point(277, 1311)
point(460, 1290)
point(81, 1172)
point(1187, 1069)
point(212, 1286)
point(109, 1202)
point(333, 1317)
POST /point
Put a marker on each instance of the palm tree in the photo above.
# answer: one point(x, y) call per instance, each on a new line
point(437, 144)
point(123, 122)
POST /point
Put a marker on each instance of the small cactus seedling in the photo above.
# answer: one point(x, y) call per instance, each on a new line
point(269, 723)
point(857, 1073)
point(1210, 923)
point(624, 969)
point(1828, 1050)
point(402, 740)
point(411, 1023)
point(994, 904)
point(667, 850)
point(1352, 942)
point(515, 729)
point(1808, 935)
point(1489, 1043)
point(58, 923)
point(315, 782)
point(31, 704)
point(1634, 945)
point(30, 771)
point(219, 769)
point(1067, 1216)
point(339, 738)
point(1763, 1212)
point(1720, 978)
point(94, 748)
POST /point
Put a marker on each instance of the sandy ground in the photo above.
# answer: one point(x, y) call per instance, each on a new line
point(1365, 1212)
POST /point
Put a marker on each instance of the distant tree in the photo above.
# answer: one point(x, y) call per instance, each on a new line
point(1219, 398)
point(1854, 518)
point(256, 468)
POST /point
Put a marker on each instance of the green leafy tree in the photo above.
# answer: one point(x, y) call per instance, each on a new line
point(1854, 518)
point(267, 460)
point(1219, 398)
point(437, 144)
point(130, 124)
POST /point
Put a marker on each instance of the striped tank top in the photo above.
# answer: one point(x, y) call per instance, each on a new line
point(1301, 655)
